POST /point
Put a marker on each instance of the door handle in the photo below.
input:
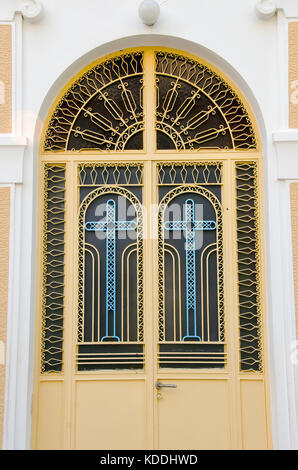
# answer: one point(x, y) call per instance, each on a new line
point(160, 385)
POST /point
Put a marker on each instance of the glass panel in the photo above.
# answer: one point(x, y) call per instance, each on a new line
point(102, 110)
point(191, 318)
point(110, 328)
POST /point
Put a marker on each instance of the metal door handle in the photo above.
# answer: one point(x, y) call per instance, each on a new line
point(160, 385)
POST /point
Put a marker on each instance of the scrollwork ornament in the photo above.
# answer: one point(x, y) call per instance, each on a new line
point(266, 9)
point(31, 10)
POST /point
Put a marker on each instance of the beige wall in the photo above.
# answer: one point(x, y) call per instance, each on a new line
point(5, 80)
point(293, 74)
point(4, 261)
point(294, 210)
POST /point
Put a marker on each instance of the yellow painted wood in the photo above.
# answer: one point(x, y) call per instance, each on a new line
point(6, 86)
point(110, 414)
point(195, 416)
point(51, 417)
point(254, 419)
point(210, 409)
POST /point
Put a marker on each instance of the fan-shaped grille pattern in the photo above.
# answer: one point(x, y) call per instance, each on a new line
point(197, 109)
point(102, 110)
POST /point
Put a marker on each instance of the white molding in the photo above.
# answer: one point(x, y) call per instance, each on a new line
point(286, 145)
point(11, 163)
point(289, 135)
point(290, 307)
point(31, 10)
point(266, 9)
point(9, 399)
point(282, 317)
point(14, 325)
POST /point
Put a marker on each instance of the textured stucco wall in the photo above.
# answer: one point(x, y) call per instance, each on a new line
point(5, 79)
point(4, 263)
point(293, 74)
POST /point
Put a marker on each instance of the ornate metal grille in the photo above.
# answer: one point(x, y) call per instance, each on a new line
point(248, 268)
point(190, 257)
point(53, 269)
point(111, 324)
point(102, 110)
point(197, 109)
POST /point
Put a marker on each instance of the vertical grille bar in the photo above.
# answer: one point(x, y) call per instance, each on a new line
point(248, 267)
point(53, 269)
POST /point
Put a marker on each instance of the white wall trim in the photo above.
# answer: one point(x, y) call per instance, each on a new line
point(289, 306)
point(266, 9)
point(286, 144)
point(31, 10)
point(12, 326)
point(12, 170)
point(11, 163)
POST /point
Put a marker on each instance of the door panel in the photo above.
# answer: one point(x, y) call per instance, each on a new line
point(195, 415)
point(253, 410)
point(110, 414)
point(51, 416)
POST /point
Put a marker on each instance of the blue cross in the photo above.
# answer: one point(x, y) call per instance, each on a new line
point(110, 225)
point(189, 225)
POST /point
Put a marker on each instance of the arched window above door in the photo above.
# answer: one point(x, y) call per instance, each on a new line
point(195, 107)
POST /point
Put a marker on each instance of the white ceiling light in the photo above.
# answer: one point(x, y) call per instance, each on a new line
point(149, 11)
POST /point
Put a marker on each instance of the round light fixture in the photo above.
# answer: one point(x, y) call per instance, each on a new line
point(149, 12)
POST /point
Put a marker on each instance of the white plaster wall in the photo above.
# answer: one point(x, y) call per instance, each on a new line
point(70, 35)
point(72, 28)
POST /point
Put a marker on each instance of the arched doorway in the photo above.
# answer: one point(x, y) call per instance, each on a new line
point(151, 330)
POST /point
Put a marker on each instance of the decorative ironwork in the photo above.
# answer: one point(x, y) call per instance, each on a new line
point(191, 315)
point(110, 225)
point(111, 323)
point(185, 173)
point(102, 110)
point(197, 109)
point(123, 174)
point(53, 269)
point(248, 267)
point(189, 226)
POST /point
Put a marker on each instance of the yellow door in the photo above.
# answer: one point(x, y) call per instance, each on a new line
point(150, 311)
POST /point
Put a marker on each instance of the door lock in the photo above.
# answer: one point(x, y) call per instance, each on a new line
point(160, 385)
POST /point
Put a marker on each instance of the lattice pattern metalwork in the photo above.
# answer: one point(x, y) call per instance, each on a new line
point(102, 110)
point(115, 337)
point(189, 173)
point(191, 326)
point(249, 267)
point(123, 174)
point(197, 109)
point(53, 269)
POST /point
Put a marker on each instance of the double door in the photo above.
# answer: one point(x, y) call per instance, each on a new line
point(156, 352)
point(151, 326)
